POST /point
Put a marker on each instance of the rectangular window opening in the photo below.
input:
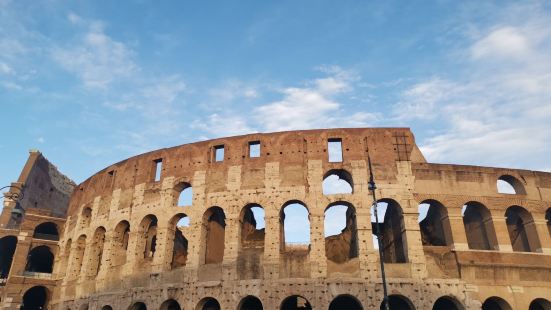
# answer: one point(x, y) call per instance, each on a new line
point(158, 169)
point(334, 147)
point(254, 149)
point(219, 153)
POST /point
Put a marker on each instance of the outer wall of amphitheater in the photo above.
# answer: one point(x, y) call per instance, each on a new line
point(122, 248)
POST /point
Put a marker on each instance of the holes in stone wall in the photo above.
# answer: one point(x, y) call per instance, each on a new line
point(78, 257)
point(7, 249)
point(295, 227)
point(214, 230)
point(121, 237)
point(46, 231)
point(341, 238)
point(507, 184)
point(179, 242)
point(86, 217)
point(157, 169)
point(345, 302)
point(219, 153)
point(479, 227)
point(40, 259)
point(334, 150)
point(434, 224)
point(252, 226)
point(337, 181)
point(35, 298)
point(392, 228)
point(254, 149)
point(148, 228)
point(522, 230)
point(96, 252)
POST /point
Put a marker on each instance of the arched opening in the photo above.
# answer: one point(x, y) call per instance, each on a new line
point(548, 218)
point(179, 242)
point(185, 194)
point(7, 249)
point(522, 230)
point(434, 224)
point(252, 232)
point(86, 217)
point(78, 257)
point(106, 307)
point(507, 184)
point(170, 304)
point(84, 307)
point(392, 228)
point(96, 252)
point(121, 237)
point(40, 259)
point(398, 302)
point(479, 227)
point(447, 303)
point(295, 227)
point(495, 303)
point(148, 228)
point(341, 237)
point(138, 306)
point(345, 302)
point(250, 303)
point(337, 181)
point(65, 256)
point(35, 298)
point(208, 303)
point(46, 231)
point(295, 302)
point(214, 222)
point(540, 304)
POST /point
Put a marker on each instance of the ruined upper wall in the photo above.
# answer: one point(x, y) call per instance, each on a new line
point(290, 149)
point(44, 189)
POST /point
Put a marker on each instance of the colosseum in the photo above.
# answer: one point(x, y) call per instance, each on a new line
point(207, 225)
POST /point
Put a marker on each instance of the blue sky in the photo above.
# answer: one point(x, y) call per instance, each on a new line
point(90, 83)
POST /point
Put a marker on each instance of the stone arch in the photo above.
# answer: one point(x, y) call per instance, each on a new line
point(295, 302)
point(398, 302)
point(96, 252)
point(170, 304)
point(121, 236)
point(447, 303)
point(84, 307)
point(184, 194)
point(392, 229)
point(40, 259)
point(337, 181)
point(78, 257)
point(179, 242)
point(107, 307)
point(86, 216)
point(8, 245)
point(46, 231)
point(347, 302)
point(540, 304)
point(148, 241)
point(435, 226)
point(522, 230)
point(36, 297)
point(208, 303)
point(548, 219)
point(342, 247)
point(508, 184)
point(300, 217)
point(214, 232)
point(496, 303)
point(479, 226)
point(250, 303)
point(251, 241)
point(138, 306)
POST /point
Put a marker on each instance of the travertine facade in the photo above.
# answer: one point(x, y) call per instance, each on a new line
point(121, 246)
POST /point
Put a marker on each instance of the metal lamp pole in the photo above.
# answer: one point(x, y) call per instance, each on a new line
point(372, 187)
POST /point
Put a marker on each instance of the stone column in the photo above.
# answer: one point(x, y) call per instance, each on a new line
point(272, 243)
point(543, 233)
point(318, 261)
point(459, 235)
point(502, 233)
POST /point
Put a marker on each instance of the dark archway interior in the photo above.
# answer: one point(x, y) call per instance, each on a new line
point(345, 302)
point(444, 303)
point(35, 298)
point(138, 306)
point(170, 304)
point(40, 259)
point(495, 304)
point(46, 231)
point(251, 303)
point(215, 236)
point(107, 308)
point(435, 227)
point(397, 303)
point(7, 249)
point(540, 304)
point(211, 304)
point(295, 303)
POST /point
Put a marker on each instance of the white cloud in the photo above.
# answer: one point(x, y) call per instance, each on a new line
point(97, 59)
point(222, 125)
point(420, 100)
point(5, 69)
point(502, 42)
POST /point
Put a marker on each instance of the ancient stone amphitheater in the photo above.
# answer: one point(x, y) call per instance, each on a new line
point(453, 237)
